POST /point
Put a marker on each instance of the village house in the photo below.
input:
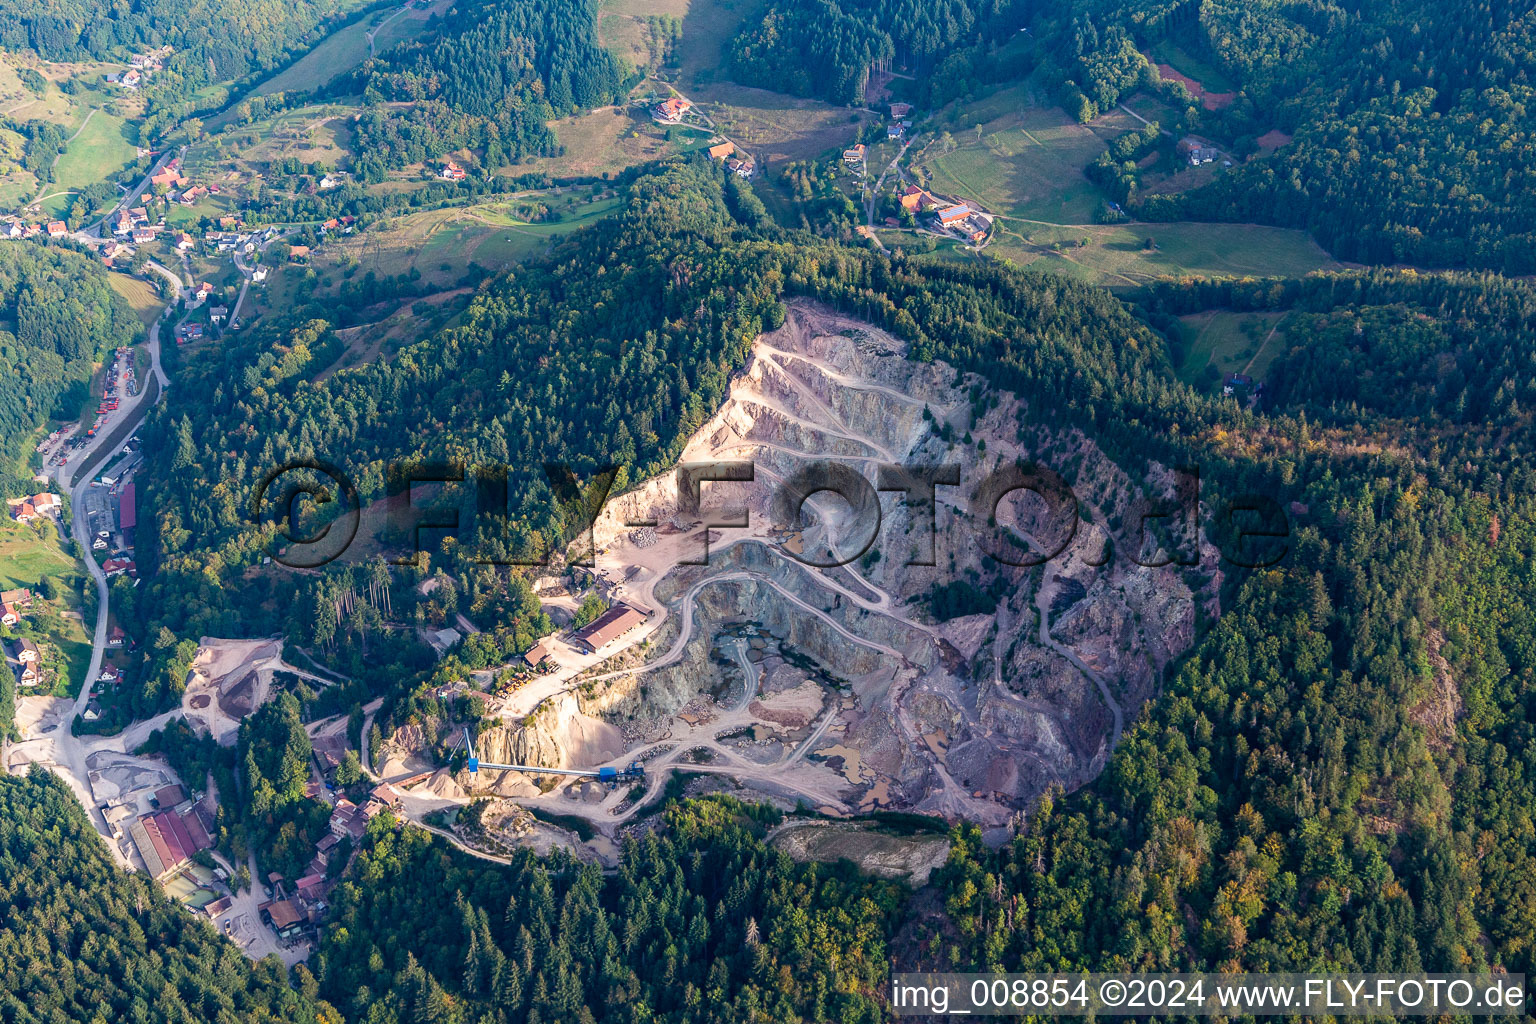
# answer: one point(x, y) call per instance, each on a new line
point(741, 168)
point(671, 110)
point(854, 154)
point(451, 172)
point(13, 604)
point(950, 216)
point(721, 151)
point(25, 661)
point(25, 510)
point(168, 178)
point(14, 229)
point(1197, 151)
point(184, 241)
point(143, 234)
point(259, 274)
point(298, 254)
point(218, 313)
point(57, 229)
point(900, 110)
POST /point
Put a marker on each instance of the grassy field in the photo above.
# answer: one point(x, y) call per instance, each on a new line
point(608, 140)
point(28, 555)
point(1117, 256)
point(1019, 159)
point(708, 28)
point(776, 127)
point(442, 243)
point(313, 134)
point(105, 144)
point(141, 295)
point(1182, 60)
point(346, 48)
point(1219, 342)
point(622, 27)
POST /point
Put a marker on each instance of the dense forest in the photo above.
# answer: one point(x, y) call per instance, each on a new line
point(703, 921)
point(827, 48)
point(58, 316)
point(489, 79)
point(1338, 775)
point(82, 940)
point(1411, 121)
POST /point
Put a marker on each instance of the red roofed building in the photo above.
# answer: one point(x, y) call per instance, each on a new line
point(57, 229)
point(127, 512)
point(954, 215)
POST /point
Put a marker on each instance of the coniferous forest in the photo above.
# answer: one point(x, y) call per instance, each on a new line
point(1340, 772)
point(1288, 801)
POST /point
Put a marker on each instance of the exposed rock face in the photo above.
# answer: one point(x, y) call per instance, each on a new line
point(1028, 685)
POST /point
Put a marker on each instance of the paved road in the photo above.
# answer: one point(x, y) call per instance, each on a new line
point(91, 232)
point(69, 751)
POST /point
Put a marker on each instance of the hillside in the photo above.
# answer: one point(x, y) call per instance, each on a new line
point(1260, 768)
point(124, 946)
point(59, 315)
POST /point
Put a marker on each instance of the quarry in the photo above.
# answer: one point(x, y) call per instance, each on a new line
point(847, 650)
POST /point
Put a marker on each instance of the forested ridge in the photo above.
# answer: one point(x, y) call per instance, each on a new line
point(58, 316)
point(82, 940)
point(1339, 775)
point(213, 41)
point(702, 921)
point(489, 78)
point(1412, 120)
point(826, 48)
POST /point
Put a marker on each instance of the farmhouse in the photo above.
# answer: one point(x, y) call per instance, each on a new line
point(28, 509)
point(721, 151)
point(952, 215)
point(670, 110)
point(170, 178)
point(24, 659)
point(1197, 151)
point(451, 172)
point(608, 627)
point(900, 110)
point(25, 651)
